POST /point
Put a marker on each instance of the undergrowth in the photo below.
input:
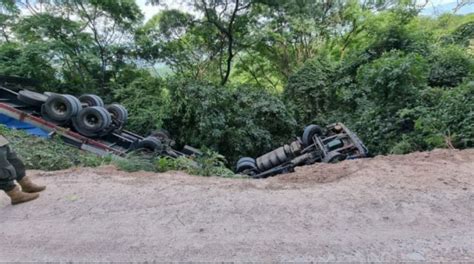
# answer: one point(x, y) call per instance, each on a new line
point(209, 164)
point(49, 154)
point(52, 154)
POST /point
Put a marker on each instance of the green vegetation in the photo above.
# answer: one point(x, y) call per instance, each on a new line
point(43, 154)
point(243, 78)
point(52, 154)
point(210, 164)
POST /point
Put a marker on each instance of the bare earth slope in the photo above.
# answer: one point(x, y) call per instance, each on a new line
point(413, 207)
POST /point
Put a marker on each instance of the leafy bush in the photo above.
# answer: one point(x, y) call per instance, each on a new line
point(379, 130)
point(27, 62)
point(386, 98)
point(449, 122)
point(403, 147)
point(147, 102)
point(450, 66)
point(438, 118)
point(310, 91)
point(398, 34)
point(462, 35)
point(394, 80)
point(232, 121)
point(210, 164)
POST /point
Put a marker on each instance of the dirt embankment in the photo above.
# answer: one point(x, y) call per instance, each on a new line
point(416, 207)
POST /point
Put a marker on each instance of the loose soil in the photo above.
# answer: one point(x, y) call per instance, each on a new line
point(416, 207)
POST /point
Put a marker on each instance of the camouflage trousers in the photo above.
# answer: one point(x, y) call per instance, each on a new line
point(11, 168)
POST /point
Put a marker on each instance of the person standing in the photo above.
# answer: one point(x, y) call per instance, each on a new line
point(11, 169)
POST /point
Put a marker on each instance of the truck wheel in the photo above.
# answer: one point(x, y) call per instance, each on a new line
point(333, 157)
point(272, 159)
point(150, 144)
point(309, 132)
point(118, 112)
point(248, 159)
point(91, 100)
point(32, 98)
point(61, 108)
point(246, 165)
point(92, 121)
point(281, 155)
point(76, 101)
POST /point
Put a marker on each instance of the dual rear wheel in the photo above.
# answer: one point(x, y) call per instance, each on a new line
point(88, 113)
point(97, 121)
point(61, 108)
point(92, 121)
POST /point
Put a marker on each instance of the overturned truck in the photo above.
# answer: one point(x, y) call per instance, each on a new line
point(84, 122)
point(331, 144)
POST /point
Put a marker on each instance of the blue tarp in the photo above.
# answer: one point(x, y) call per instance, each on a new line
point(17, 124)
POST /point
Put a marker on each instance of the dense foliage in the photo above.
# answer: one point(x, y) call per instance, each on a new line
point(242, 77)
point(402, 91)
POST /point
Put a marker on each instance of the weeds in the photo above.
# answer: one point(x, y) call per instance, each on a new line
point(49, 154)
point(210, 164)
point(133, 162)
point(53, 154)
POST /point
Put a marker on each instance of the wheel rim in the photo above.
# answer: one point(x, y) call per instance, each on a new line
point(91, 121)
point(60, 108)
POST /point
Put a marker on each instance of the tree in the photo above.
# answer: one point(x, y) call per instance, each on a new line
point(229, 17)
point(218, 35)
point(27, 61)
point(8, 15)
point(87, 39)
point(177, 40)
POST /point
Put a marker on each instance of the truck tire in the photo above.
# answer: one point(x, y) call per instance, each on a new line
point(272, 159)
point(92, 121)
point(309, 132)
point(60, 108)
point(245, 159)
point(32, 98)
point(76, 101)
point(91, 100)
point(281, 155)
point(246, 165)
point(119, 113)
point(150, 144)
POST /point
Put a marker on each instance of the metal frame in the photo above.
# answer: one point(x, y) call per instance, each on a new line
point(318, 150)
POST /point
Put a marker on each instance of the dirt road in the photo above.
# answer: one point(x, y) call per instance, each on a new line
point(417, 207)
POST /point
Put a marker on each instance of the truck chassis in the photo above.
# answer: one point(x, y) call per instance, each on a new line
point(332, 144)
point(118, 142)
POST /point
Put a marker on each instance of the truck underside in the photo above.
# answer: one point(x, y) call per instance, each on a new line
point(331, 144)
point(84, 122)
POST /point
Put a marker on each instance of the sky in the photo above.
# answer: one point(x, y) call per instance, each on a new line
point(434, 7)
point(437, 7)
point(151, 10)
